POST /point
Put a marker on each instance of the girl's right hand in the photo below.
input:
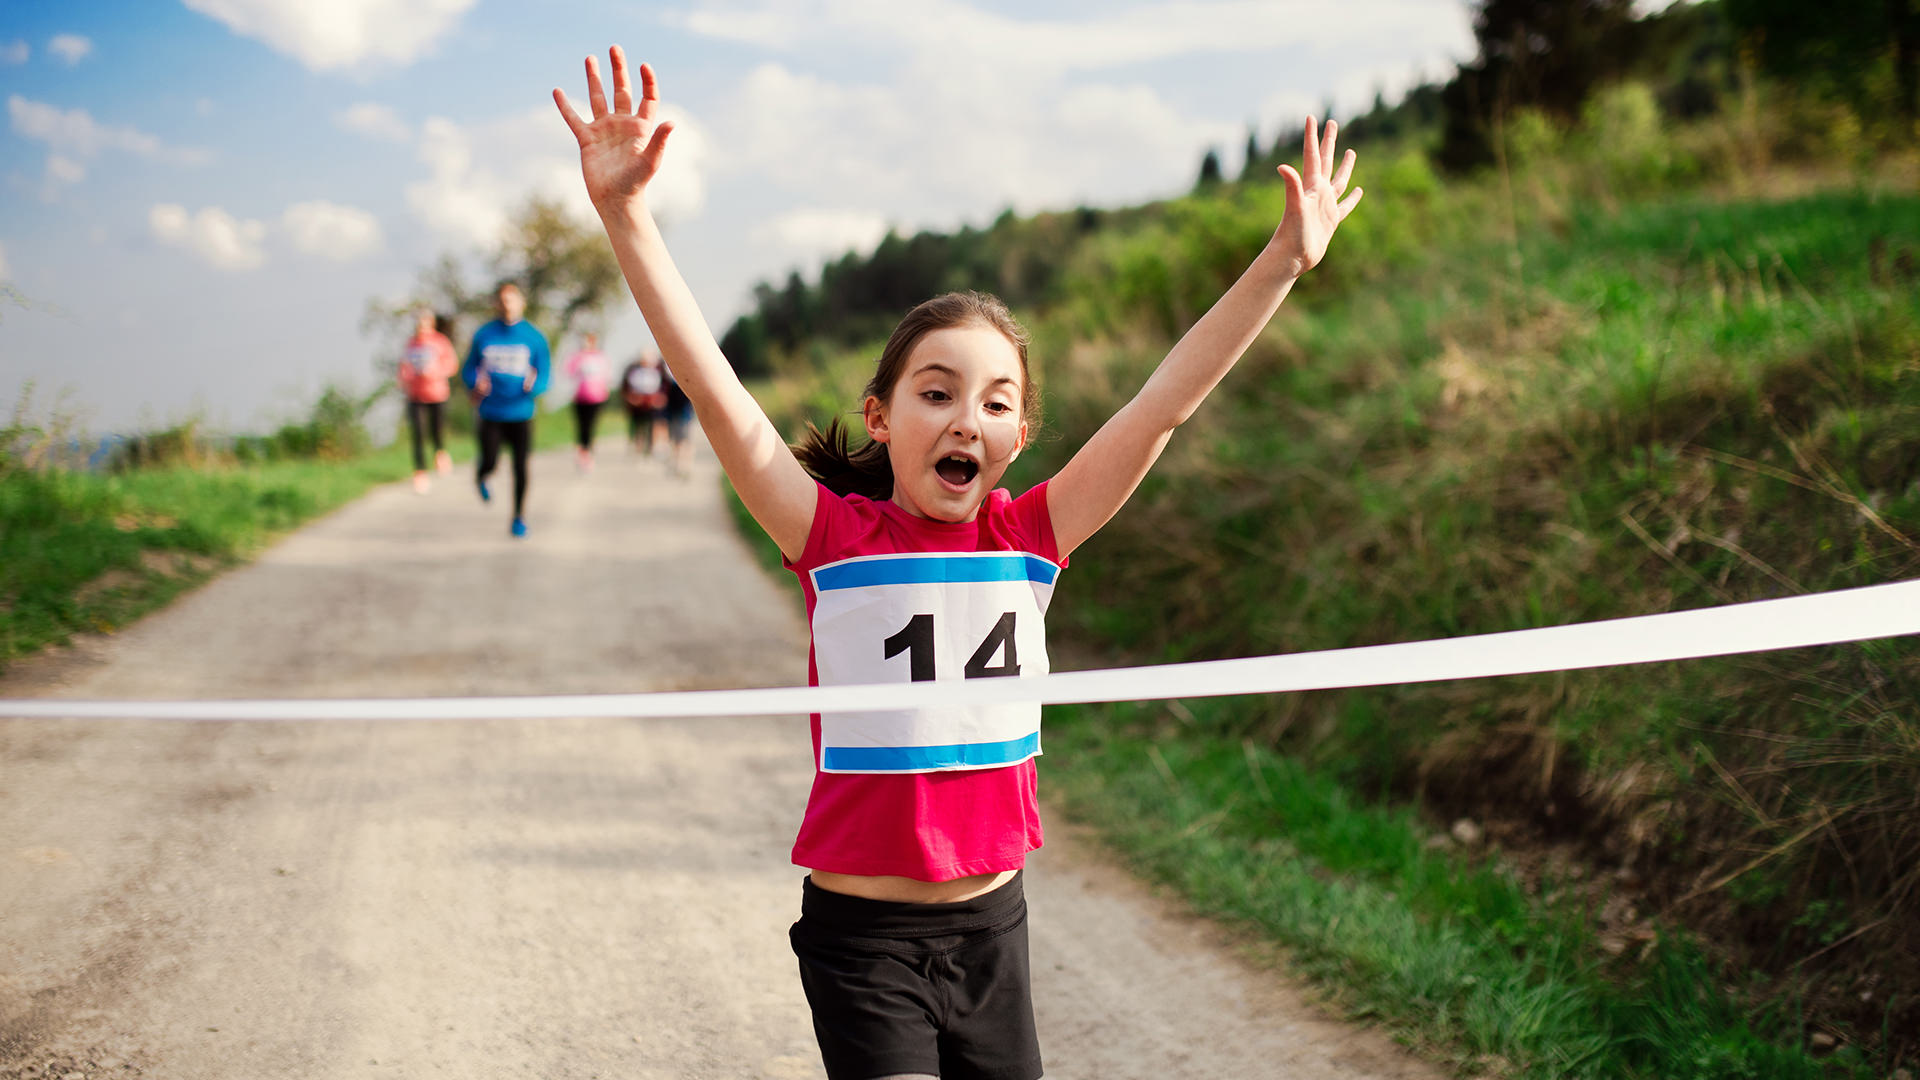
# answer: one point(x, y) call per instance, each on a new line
point(621, 148)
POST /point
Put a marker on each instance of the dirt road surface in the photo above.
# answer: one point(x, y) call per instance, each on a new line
point(555, 899)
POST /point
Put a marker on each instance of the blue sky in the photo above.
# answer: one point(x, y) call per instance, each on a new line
point(200, 197)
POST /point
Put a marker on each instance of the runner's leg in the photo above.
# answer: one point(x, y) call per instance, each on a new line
point(589, 420)
point(414, 423)
point(489, 453)
point(441, 459)
point(520, 440)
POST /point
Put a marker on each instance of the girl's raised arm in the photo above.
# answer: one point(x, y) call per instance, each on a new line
point(1104, 473)
point(620, 153)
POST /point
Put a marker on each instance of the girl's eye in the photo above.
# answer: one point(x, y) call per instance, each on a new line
point(935, 395)
point(999, 408)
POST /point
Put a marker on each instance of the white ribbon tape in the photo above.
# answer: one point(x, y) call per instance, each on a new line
point(1877, 611)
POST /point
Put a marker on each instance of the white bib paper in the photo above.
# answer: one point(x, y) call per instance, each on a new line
point(509, 360)
point(931, 617)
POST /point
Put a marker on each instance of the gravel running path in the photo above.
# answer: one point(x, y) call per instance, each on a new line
point(554, 899)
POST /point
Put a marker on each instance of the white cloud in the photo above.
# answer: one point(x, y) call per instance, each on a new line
point(340, 33)
point(15, 52)
point(70, 48)
point(74, 132)
point(1030, 146)
point(968, 36)
point(65, 169)
point(212, 234)
point(799, 131)
point(341, 233)
point(959, 110)
point(481, 174)
point(6, 273)
point(374, 120)
point(819, 234)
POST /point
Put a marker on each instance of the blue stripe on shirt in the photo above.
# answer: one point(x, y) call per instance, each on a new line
point(923, 758)
point(924, 569)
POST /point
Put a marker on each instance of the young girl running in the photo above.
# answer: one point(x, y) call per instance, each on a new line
point(912, 933)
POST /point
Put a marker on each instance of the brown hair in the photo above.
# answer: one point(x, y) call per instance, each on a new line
point(865, 470)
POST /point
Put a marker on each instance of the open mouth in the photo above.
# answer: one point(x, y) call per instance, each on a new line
point(957, 470)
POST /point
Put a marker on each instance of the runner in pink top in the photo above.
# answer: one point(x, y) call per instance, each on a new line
point(592, 376)
point(425, 367)
point(917, 566)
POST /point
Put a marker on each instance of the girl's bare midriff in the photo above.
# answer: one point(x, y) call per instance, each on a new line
point(911, 890)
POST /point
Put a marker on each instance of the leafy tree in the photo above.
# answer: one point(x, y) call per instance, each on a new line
point(745, 345)
point(1417, 113)
point(1542, 54)
point(1209, 171)
point(1845, 48)
point(565, 269)
point(1252, 165)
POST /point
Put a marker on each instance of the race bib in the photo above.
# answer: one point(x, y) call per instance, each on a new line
point(509, 360)
point(644, 380)
point(927, 617)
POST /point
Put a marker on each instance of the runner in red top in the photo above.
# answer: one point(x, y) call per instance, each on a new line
point(912, 934)
point(425, 367)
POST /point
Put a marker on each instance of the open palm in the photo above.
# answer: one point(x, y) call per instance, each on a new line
point(621, 147)
point(1315, 207)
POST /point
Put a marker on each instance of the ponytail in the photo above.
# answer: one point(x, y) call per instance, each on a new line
point(844, 470)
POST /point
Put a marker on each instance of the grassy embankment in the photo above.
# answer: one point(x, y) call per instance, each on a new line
point(1590, 388)
point(90, 552)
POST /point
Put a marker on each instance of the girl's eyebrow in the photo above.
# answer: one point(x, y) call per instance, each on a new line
point(936, 366)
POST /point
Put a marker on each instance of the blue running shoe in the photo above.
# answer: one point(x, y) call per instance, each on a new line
point(519, 527)
point(485, 495)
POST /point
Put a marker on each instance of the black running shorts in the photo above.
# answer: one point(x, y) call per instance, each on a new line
point(940, 989)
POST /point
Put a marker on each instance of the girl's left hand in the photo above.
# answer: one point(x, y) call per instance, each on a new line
point(1314, 204)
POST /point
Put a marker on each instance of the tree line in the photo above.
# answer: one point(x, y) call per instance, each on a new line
point(1543, 56)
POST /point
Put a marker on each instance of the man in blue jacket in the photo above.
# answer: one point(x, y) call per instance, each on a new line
point(507, 367)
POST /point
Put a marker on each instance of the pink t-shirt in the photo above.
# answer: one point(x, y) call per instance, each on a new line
point(932, 826)
point(426, 366)
point(592, 374)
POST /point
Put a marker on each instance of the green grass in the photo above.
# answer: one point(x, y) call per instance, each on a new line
point(85, 552)
point(1482, 969)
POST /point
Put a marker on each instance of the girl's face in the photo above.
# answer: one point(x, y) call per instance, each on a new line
point(952, 424)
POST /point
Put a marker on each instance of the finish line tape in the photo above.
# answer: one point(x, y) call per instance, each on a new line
point(1877, 611)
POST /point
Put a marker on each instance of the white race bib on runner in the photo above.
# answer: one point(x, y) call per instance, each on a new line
point(510, 360)
point(929, 617)
point(644, 380)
